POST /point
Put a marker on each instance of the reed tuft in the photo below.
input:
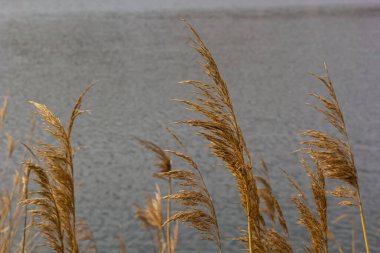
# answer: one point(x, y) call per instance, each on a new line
point(164, 165)
point(200, 211)
point(53, 204)
point(333, 153)
point(221, 129)
point(315, 224)
point(151, 218)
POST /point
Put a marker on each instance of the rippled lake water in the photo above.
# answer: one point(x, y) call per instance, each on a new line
point(137, 58)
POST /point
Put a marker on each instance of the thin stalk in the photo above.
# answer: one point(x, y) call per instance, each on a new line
point(60, 235)
point(249, 225)
point(363, 223)
point(71, 164)
point(26, 182)
point(326, 240)
point(359, 198)
point(74, 242)
point(168, 236)
point(353, 243)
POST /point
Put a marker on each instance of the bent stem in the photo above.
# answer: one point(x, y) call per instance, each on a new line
point(363, 223)
point(168, 236)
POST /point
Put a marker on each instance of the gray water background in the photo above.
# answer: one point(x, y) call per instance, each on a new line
point(137, 57)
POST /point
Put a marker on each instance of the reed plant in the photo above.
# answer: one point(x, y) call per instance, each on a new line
point(11, 212)
point(43, 194)
point(52, 204)
point(332, 153)
point(219, 126)
point(164, 165)
point(193, 196)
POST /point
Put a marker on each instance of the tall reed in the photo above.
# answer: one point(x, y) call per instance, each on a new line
point(164, 164)
point(53, 204)
point(194, 196)
point(151, 217)
point(316, 224)
point(50, 203)
point(226, 138)
point(333, 153)
point(11, 215)
point(220, 128)
point(200, 212)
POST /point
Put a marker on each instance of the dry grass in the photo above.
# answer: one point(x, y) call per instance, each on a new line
point(200, 211)
point(226, 139)
point(45, 185)
point(11, 215)
point(53, 202)
point(271, 206)
point(152, 220)
point(164, 165)
point(151, 217)
point(316, 224)
point(220, 128)
point(333, 153)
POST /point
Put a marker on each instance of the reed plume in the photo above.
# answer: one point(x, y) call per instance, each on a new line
point(10, 214)
point(151, 218)
point(272, 239)
point(10, 209)
point(226, 139)
point(26, 244)
point(315, 224)
point(333, 153)
point(53, 204)
point(271, 206)
point(200, 211)
point(164, 165)
point(220, 128)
